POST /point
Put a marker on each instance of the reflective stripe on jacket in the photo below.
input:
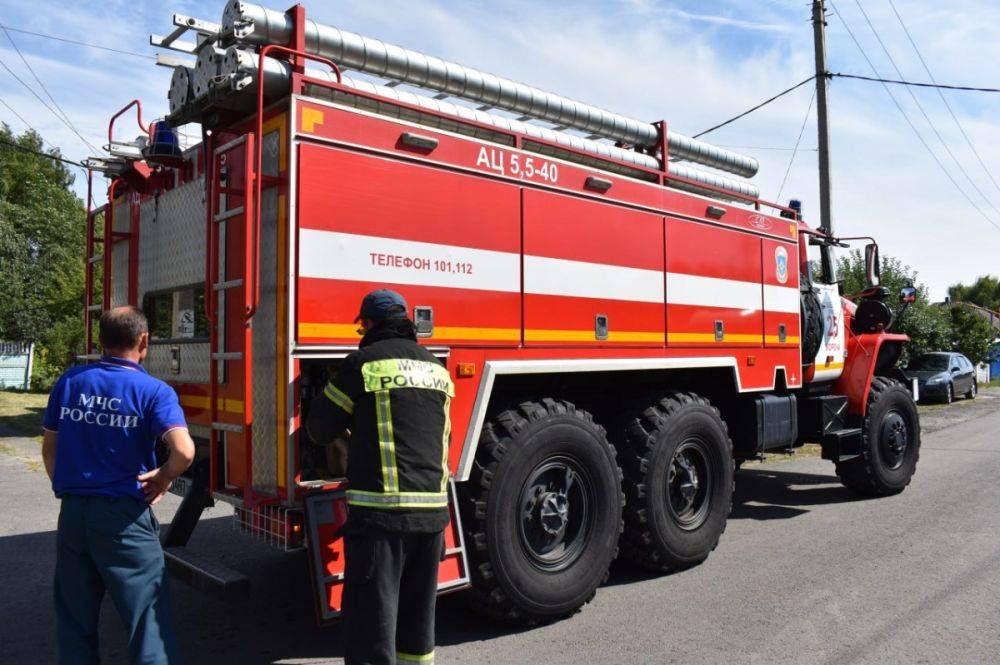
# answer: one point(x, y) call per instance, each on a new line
point(394, 396)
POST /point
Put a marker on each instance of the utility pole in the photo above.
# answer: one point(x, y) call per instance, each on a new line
point(825, 220)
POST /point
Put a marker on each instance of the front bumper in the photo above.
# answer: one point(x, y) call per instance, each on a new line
point(933, 391)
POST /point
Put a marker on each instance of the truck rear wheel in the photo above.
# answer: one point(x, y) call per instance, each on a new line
point(890, 444)
point(543, 511)
point(678, 482)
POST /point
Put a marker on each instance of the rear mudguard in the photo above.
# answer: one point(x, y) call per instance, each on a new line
point(863, 352)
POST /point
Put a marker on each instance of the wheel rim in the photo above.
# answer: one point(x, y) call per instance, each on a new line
point(894, 439)
point(689, 484)
point(975, 388)
point(557, 512)
point(951, 393)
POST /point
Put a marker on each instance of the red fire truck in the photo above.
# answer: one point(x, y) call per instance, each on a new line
point(622, 328)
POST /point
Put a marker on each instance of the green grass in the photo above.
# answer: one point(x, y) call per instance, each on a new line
point(808, 450)
point(21, 413)
point(995, 383)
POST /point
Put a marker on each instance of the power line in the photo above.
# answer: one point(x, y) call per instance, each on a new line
point(923, 112)
point(31, 90)
point(914, 84)
point(28, 124)
point(46, 90)
point(795, 150)
point(909, 122)
point(41, 154)
point(943, 98)
point(20, 117)
point(758, 147)
point(751, 110)
point(79, 43)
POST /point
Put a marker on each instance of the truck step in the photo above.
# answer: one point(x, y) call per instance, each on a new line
point(206, 575)
point(841, 445)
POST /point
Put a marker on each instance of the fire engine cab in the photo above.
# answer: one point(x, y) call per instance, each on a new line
point(625, 321)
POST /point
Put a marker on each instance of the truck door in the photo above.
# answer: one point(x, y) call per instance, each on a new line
point(714, 295)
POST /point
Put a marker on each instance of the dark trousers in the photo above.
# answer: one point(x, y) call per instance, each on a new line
point(111, 545)
point(390, 591)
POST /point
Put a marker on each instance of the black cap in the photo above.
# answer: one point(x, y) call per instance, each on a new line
point(382, 304)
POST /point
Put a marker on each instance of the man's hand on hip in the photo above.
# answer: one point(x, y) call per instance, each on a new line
point(155, 484)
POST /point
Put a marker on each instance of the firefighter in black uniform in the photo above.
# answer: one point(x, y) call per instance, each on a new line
point(394, 397)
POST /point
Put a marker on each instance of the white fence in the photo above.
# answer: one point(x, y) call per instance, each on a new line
point(15, 364)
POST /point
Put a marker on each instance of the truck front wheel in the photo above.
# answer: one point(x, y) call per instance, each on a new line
point(890, 442)
point(678, 462)
point(543, 512)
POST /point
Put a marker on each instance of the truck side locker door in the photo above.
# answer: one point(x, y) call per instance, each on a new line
point(781, 293)
point(448, 241)
point(714, 295)
point(593, 273)
point(326, 514)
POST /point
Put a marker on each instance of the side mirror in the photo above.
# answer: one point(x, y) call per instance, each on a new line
point(872, 268)
point(907, 294)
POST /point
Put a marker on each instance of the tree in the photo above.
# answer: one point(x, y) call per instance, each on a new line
point(41, 233)
point(972, 335)
point(984, 292)
point(928, 326)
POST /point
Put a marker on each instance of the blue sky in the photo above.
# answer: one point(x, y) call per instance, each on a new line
point(693, 63)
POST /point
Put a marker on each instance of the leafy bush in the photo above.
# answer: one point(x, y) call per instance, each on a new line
point(929, 326)
point(41, 255)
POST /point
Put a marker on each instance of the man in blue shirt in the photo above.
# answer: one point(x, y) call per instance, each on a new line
point(101, 427)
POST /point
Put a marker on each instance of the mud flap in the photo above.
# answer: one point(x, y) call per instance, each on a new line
point(326, 514)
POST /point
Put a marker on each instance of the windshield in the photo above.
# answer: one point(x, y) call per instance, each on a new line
point(937, 362)
point(815, 261)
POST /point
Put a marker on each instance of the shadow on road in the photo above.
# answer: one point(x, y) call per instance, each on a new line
point(766, 494)
point(28, 423)
point(277, 623)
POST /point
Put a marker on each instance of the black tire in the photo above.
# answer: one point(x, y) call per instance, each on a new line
point(889, 454)
point(523, 456)
point(812, 321)
point(662, 532)
point(973, 391)
point(949, 395)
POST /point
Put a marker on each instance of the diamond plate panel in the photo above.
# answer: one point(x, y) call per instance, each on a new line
point(271, 150)
point(119, 274)
point(121, 220)
point(193, 362)
point(265, 448)
point(172, 239)
point(119, 256)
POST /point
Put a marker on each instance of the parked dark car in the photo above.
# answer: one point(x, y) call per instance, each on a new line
point(943, 375)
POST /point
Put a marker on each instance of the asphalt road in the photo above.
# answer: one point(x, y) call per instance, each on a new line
point(806, 573)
